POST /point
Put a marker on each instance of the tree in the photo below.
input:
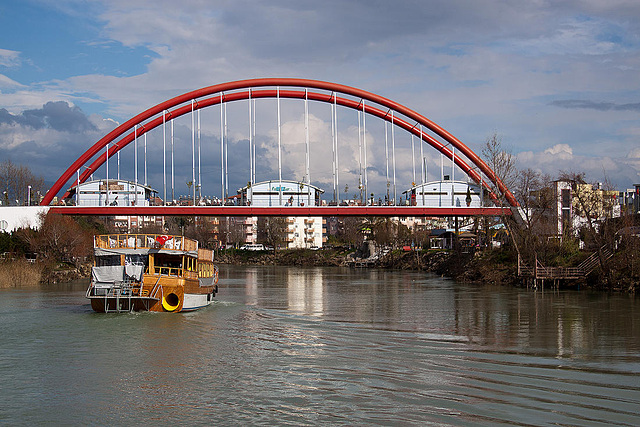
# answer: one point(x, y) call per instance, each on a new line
point(204, 231)
point(18, 184)
point(503, 164)
point(534, 193)
point(350, 231)
point(595, 206)
point(386, 231)
point(60, 238)
point(235, 230)
point(383, 230)
point(272, 231)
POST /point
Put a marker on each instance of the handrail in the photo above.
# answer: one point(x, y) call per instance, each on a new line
point(145, 241)
point(154, 290)
point(539, 271)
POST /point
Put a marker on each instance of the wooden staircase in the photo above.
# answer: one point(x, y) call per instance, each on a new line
point(540, 272)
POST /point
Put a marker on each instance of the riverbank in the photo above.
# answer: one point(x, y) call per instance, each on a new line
point(496, 267)
point(481, 267)
point(23, 274)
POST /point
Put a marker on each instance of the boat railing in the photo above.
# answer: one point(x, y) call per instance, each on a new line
point(174, 272)
point(145, 241)
point(117, 289)
point(168, 271)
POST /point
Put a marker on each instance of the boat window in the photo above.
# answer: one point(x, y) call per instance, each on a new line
point(106, 260)
point(164, 260)
point(134, 259)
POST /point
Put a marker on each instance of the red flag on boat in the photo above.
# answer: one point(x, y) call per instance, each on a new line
point(162, 239)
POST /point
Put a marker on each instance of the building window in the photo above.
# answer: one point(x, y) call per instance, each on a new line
point(566, 220)
point(566, 198)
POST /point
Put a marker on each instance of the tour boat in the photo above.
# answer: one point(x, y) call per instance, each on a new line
point(151, 272)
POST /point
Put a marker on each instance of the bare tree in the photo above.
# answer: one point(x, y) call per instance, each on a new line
point(272, 231)
point(350, 231)
point(534, 194)
point(236, 231)
point(204, 231)
point(18, 184)
point(503, 164)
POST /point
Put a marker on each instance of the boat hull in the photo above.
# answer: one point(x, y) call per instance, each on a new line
point(190, 302)
point(157, 293)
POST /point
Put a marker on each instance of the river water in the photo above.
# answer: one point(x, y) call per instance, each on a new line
point(325, 346)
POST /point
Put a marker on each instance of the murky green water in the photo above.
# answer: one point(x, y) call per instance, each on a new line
point(291, 346)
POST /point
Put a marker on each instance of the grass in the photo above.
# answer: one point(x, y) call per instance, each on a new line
point(19, 274)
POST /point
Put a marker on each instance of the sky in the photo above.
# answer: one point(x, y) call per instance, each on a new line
point(557, 81)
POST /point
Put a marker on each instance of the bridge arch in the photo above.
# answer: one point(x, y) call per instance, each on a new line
point(153, 117)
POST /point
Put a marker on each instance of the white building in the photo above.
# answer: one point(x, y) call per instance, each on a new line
point(302, 232)
point(569, 214)
point(15, 217)
point(280, 193)
point(446, 194)
point(118, 193)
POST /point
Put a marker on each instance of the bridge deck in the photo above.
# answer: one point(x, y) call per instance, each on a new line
point(323, 211)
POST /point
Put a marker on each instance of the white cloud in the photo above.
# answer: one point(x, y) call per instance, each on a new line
point(7, 83)
point(621, 171)
point(560, 152)
point(9, 58)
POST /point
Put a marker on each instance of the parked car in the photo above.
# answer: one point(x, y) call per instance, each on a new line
point(253, 247)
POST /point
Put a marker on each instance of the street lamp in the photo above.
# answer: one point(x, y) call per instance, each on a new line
point(481, 184)
point(78, 184)
point(28, 195)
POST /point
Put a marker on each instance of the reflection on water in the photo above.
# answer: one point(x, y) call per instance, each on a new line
point(308, 346)
point(304, 291)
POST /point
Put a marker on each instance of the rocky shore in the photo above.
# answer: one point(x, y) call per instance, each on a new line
point(486, 267)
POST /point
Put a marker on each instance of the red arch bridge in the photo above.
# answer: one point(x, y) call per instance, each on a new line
point(357, 155)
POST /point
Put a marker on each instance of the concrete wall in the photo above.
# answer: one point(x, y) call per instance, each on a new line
point(14, 217)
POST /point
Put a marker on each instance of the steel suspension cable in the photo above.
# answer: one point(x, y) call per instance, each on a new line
point(164, 157)
point(393, 150)
point(306, 142)
point(173, 178)
point(364, 141)
point(107, 180)
point(135, 159)
point(279, 150)
point(222, 198)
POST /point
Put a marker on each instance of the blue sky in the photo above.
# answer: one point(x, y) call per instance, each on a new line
point(558, 81)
